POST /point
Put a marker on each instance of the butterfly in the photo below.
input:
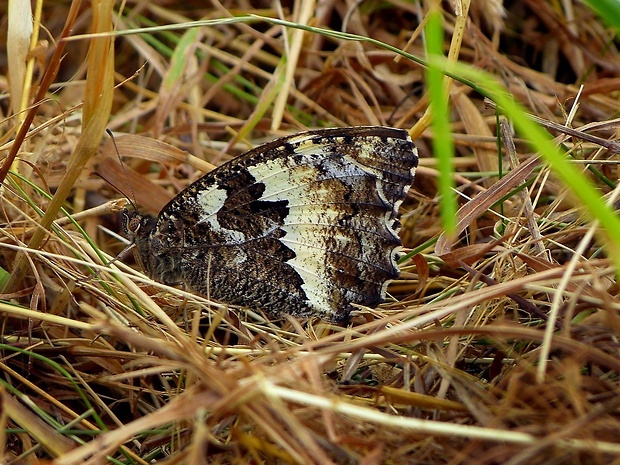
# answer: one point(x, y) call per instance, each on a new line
point(305, 225)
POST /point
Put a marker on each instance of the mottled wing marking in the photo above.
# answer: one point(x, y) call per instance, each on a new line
point(212, 201)
point(305, 225)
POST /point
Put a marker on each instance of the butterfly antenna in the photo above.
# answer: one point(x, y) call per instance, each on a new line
point(132, 201)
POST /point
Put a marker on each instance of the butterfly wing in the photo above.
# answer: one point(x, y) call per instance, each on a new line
point(305, 225)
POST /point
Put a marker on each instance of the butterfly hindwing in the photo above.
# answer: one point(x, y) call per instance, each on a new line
point(305, 225)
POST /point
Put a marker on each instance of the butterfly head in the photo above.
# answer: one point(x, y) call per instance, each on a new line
point(136, 225)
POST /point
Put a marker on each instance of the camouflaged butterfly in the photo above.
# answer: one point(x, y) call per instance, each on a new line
point(305, 225)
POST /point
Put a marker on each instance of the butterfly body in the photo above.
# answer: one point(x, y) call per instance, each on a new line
point(305, 225)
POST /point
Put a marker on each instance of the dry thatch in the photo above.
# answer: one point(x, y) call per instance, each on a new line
point(499, 344)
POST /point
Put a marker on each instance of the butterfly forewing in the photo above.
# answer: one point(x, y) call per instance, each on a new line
point(305, 225)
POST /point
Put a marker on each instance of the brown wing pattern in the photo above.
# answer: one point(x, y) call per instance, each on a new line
point(305, 225)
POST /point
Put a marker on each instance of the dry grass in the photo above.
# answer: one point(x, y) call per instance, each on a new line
point(500, 345)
